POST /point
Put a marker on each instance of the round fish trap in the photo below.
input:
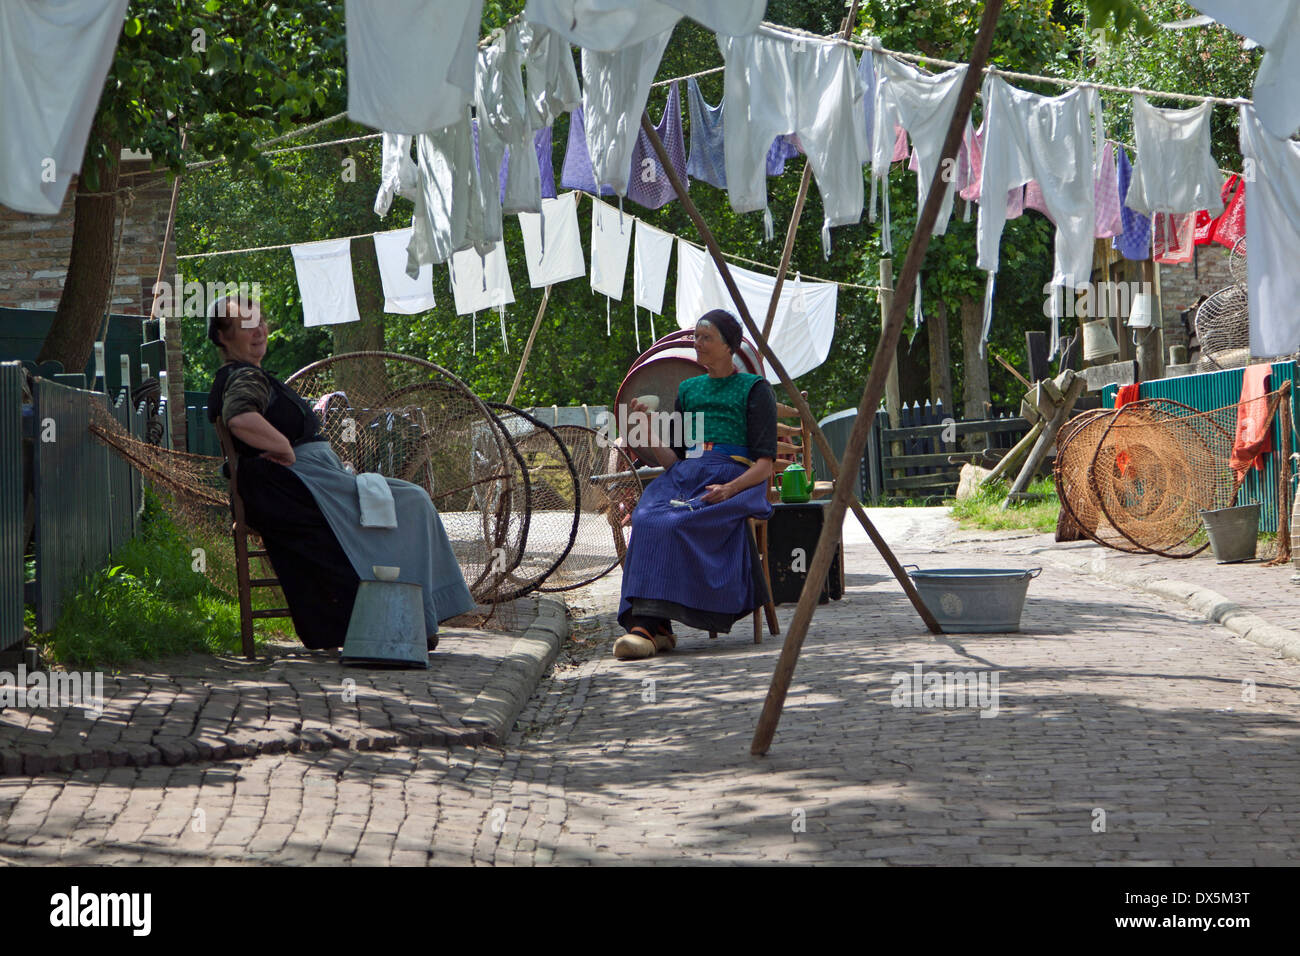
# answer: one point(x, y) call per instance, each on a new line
point(1076, 444)
point(608, 492)
point(554, 499)
point(408, 418)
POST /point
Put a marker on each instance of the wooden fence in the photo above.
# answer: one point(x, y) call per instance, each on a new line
point(915, 454)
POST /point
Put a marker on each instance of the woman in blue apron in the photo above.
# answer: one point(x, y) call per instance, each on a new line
point(691, 558)
point(305, 505)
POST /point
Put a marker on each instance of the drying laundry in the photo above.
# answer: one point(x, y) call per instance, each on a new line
point(813, 91)
point(615, 87)
point(651, 252)
point(804, 324)
point(1106, 197)
point(1175, 171)
point(398, 174)
point(1252, 442)
point(402, 294)
point(1273, 225)
point(867, 74)
point(552, 242)
point(923, 106)
point(503, 120)
point(444, 194)
point(707, 161)
point(1134, 242)
point(553, 87)
point(1034, 200)
point(53, 61)
point(577, 172)
point(650, 186)
point(1274, 25)
point(411, 62)
point(1231, 225)
point(1203, 232)
point(480, 282)
point(1173, 238)
point(324, 271)
point(1051, 140)
point(546, 172)
point(615, 24)
point(611, 238)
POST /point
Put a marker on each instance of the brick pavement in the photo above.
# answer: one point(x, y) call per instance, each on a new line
point(1111, 702)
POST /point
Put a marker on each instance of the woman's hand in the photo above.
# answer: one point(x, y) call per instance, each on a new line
point(715, 493)
point(283, 456)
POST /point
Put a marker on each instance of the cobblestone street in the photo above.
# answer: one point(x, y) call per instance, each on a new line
point(1128, 730)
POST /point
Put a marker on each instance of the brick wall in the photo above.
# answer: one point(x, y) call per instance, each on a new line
point(1182, 285)
point(34, 253)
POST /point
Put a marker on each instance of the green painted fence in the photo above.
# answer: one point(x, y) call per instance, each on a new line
point(13, 528)
point(1210, 390)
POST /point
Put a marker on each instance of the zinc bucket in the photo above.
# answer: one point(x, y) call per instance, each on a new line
point(975, 600)
point(1234, 532)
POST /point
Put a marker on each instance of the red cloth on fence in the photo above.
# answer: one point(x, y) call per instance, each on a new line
point(1253, 438)
point(1126, 394)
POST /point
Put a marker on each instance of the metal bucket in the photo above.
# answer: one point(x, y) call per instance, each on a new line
point(387, 626)
point(1234, 532)
point(974, 600)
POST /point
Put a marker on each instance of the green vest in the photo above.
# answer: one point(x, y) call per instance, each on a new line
point(724, 403)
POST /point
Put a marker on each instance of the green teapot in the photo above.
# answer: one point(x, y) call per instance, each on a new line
point(795, 484)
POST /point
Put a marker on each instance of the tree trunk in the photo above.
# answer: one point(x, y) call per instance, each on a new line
point(86, 290)
point(940, 360)
point(975, 368)
point(368, 377)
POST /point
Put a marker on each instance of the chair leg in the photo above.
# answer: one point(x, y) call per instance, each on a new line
point(245, 592)
point(769, 607)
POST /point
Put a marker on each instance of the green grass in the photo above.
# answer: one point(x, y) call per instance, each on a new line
point(984, 508)
point(148, 603)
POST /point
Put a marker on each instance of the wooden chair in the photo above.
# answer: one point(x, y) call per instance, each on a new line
point(239, 530)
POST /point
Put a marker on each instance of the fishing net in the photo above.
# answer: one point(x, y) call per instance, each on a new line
point(1137, 478)
point(554, 499)
point(608, 492)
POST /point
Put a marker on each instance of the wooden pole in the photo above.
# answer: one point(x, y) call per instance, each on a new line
point(828, 541)
point(893, 392)
point(1046, 439)
point(528, 347)
point(796, 398)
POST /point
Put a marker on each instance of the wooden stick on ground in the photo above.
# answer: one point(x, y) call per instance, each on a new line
point(528, 348)
point(831, 528)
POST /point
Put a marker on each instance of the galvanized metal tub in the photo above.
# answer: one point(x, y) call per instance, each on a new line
point(1234, 532)
point(974, 600)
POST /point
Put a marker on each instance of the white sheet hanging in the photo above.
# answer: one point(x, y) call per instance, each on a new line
point(479, 283)
point(1273, 225)
point(611, 237)
point(411, 62)
point(1174, 171)
point(1274, 25)
point(559, 257)
point(805, 314)
point(53, 61)
point(607, 25)
point(324, 272)
point(398, 174)
point(402, 294)
point(650, 256)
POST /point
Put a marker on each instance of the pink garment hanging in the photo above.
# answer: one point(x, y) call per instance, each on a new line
point(1106, 197)
point(1231, 226)
point(1172, 238)
point(900, 145)
point(1034, 199)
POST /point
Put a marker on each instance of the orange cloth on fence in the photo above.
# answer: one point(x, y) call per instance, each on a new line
point(1126, 394)
point(1252, 442)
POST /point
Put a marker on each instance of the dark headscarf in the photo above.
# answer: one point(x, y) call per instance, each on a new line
point(727, 325)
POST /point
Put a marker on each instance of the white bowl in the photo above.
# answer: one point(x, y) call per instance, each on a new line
point(385, 573)
point(651, 402)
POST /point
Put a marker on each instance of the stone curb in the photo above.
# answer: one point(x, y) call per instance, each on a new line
point(488, 721)
point(498, 705)
point(1213, 605)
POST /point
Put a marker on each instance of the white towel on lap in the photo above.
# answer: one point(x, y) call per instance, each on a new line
point(377, 507)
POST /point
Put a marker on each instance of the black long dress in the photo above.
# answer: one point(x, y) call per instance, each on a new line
point(318, 581)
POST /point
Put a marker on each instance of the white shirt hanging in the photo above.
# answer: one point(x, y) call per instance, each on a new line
point(611, 237)
point(607, 25)
point(402, 294)
point(324, 272)
point(53, 61)
point(653, 249)
point(1175, 171)
point(411, 62)
point(1273, 225)
point(552, 242)
point(1274, 25)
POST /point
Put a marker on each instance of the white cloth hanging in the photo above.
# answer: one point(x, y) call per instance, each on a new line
point(53, 61)
point(504, 121)
point(411, 62)
point(402, 294)
point(398, 175)
point(923, 105)
point(1051, 140)
point(324, 271)
point(552, 242)
point(444, 194)
point(481, 282)
point(611, 237)
point(1274, 25)
point(553, 86)
point(608, 25)
point(803, 327)
point(650, 256)
point(1175, 171)
point(1273, 225)
point(775, 84)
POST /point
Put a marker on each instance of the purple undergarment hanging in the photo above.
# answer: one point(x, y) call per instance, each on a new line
point(577, 172)
point(783, 148)
point(1135, 241)
point(649, 185)
point(541, 143)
